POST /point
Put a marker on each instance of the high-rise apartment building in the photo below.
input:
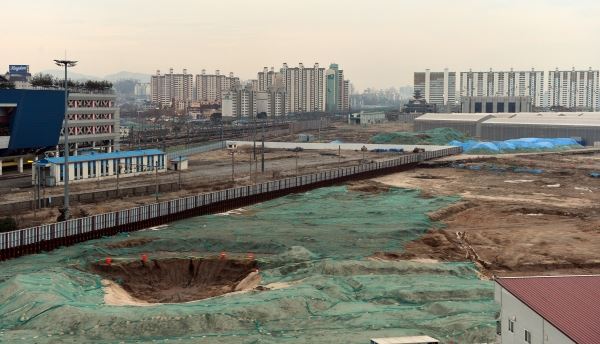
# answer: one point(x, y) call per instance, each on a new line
point(267, 79)
point(337, 97)
point(504, 83)
point(437, 88)
point(575, 89)
point(172, 90)
point(210, 87)
point(142, 90)
point(240, 102)
point(304, 87)
point(276, 100)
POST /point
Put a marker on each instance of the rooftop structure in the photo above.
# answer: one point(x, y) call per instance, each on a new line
point(554, 309)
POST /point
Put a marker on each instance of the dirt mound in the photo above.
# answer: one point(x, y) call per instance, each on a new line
point(176, 280)
point(368, 186)
point(451, 210)
point(130, 243)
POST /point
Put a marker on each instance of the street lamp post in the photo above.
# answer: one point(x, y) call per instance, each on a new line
point(65, 211)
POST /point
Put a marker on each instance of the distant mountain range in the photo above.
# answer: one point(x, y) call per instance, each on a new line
point(111, 77)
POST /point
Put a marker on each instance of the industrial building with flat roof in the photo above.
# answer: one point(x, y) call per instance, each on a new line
point(549, 309)
point(469, 124)
point(585, 130)
point(99, 166)
point(495, 104)
point(583, 126)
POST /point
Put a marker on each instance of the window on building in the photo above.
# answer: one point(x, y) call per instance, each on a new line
point(489, 107)
point(527, 337)
point(500, 107)
point(62, 173)
point(512, 107)
point(478, 107)
point(511, 326)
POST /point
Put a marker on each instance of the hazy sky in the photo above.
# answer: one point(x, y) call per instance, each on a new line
point(379, 43)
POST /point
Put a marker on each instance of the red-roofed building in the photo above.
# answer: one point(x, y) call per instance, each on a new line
point(549, 310)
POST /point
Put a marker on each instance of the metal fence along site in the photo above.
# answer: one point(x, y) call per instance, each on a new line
point(50, 236)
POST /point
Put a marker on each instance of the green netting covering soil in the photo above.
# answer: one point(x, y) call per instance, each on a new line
point(437, 136)
point(314, 246)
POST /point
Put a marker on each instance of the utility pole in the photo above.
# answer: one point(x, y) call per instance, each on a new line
point(118, 172)
point(232, 166)
point(232, 148)
point(138, 131)
point(156, 179)
point(66, 213)
point(262, 167)
point(179, 172)
point(297, 150)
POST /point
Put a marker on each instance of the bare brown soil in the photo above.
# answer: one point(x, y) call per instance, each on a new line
point(175, 280)
point(130, 243)
point(368, 186)
point(512, 223)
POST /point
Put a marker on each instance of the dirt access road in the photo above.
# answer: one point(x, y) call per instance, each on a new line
point(520, 215)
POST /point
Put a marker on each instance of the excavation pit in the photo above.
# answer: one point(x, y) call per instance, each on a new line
point(176, 280)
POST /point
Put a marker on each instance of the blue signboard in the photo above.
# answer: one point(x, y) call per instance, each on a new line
point(18, 69)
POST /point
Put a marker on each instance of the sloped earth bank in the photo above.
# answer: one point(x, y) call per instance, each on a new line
point(512, 223)
point(174, 280)
point(319, 283)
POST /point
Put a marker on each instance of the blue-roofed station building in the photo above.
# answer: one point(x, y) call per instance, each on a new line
point(100, 166)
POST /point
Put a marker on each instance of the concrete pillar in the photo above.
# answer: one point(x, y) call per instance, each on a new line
point(20, 164)
point(76, 148)
point(109, 149)
point(0, 167)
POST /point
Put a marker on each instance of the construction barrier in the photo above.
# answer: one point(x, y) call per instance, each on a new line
point(50, 236)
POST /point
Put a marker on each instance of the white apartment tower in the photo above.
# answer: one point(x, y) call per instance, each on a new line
point(304, 87)
point(574, 89)
point(172, 89)
point(504, 83)
point(266, 79)
point(437, 88)
point(240, 102)
point(210, 87)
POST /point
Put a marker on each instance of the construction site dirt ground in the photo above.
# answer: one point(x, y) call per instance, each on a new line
point(542, 219)
point(208, 171)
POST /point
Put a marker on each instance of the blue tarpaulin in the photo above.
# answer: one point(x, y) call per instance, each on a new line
point(516, 145)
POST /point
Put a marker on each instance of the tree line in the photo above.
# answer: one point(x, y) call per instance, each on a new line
point(47, 80)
